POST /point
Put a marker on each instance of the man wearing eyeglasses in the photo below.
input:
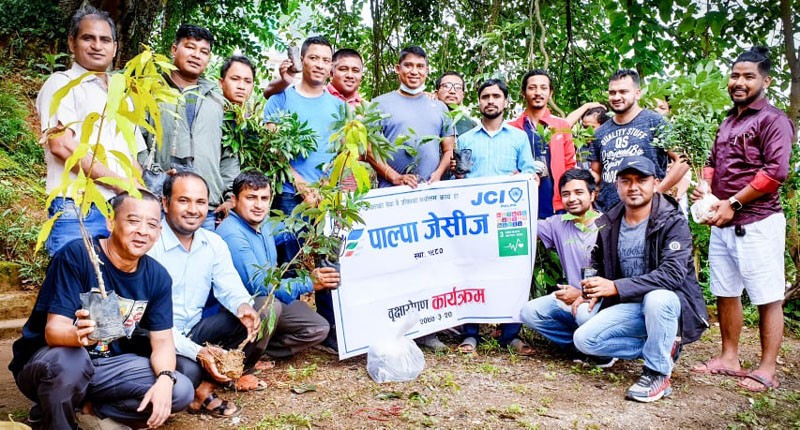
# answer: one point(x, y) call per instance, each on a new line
point(450, 91)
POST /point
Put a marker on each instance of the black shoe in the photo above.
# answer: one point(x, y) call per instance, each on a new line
point(601, 362)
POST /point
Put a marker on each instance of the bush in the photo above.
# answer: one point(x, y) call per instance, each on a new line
point(16, 136)
point(41, 19)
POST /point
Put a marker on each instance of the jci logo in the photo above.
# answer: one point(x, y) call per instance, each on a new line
point(494, 197)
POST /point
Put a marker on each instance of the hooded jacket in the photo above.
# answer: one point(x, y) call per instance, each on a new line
point(218, 165)
point(668, 262)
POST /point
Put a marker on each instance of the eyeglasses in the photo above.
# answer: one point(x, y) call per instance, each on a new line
point(447, 86)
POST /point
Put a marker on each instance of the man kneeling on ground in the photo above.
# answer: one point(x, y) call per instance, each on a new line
point(252, 246)
point(652, 303)
point(198, 261)
point(60, 368)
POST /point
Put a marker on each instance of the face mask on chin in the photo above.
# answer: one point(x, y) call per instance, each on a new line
point(414, 91)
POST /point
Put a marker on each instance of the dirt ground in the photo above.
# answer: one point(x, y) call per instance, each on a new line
point(493, 390)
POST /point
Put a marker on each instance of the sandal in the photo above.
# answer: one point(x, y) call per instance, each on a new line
point(468, 346)
point(247, 383)
point(219, 411)
point(263, 365)
point(520, 347)
point(766, 383)
point(715, 367)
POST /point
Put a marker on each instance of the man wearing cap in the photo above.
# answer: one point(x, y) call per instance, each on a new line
point(652, 303)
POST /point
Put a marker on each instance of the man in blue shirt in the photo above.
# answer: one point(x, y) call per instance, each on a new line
point(318, 108)
point(252, 247)
point(497, 149)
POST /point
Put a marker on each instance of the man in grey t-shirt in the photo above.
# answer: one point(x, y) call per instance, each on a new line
point(410, 109)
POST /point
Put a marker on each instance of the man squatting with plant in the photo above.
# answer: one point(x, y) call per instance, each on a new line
point(61, 369)
point(554, 155)
point(556, 316)
point(252, 245)
point(748, 163)
point(630, 132)
point(93, 43)
point(198, 262)
point(318, 108)
point(498, 149)
point(409, 108)
point(193, 137)
point(652, 303)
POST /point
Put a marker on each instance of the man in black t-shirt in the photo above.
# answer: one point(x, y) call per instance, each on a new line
point(60, 368)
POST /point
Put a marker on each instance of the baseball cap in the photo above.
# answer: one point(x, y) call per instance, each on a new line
point(638, 163)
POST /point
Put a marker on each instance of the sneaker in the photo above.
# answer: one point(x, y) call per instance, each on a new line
point(432, 342)
point(601, 362)
point(650, 387)
point(329, 345)
point(35, 414)
point(93, 422)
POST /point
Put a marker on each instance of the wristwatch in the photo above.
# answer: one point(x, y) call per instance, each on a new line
point(735, 203)
point(170, 374)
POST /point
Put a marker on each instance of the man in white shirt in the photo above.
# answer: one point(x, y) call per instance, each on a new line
point(198, 261)
point(93, 42)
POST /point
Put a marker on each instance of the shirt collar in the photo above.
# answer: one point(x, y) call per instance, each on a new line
point(356, 99)
point(755, 106)
point(503, 126)
point(244, 223)
point(77, 70)
point(170, 240)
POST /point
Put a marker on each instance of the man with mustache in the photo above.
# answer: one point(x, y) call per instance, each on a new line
point(193, 137)
point(556, 156)
point(630, 132)
point(93, 43)
point(497, 149)
point(651, 301)
point(450, 89)
point(748, 164)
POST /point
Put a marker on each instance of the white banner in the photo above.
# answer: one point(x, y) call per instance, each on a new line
point(454, 251)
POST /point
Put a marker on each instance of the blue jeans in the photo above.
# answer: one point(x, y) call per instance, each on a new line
point(67, 228)
point(287, 245)
point(634, 330)
point(508, 332)
point(557, 324)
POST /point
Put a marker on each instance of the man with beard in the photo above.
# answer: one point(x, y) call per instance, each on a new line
point(497, 149)
point(748, 163)
point(630, 133)
point(651, 301)
point(555, 156)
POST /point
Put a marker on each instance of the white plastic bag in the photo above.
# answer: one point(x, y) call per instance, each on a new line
point(397, 358)
point(701, 209)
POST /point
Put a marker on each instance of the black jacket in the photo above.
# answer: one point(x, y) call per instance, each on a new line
point(668, 262)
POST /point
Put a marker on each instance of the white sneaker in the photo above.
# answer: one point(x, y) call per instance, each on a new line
point(92, 422)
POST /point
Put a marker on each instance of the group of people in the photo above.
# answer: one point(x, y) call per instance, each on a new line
point(187, 260)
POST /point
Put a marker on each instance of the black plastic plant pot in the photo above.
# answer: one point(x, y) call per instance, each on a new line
point(106, 314)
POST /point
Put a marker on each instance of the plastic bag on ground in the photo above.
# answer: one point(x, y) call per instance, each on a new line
point(398, 358)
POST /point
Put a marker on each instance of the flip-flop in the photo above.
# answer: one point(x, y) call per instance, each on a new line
point(468, 346)
point(520, 347)
point(264, 365)
point(766, 383)
point(219, 411)
point(710, 369)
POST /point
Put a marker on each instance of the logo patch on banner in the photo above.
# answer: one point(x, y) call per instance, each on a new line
point(512, 241)
point(515, 194)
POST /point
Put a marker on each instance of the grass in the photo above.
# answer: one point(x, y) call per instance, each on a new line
point(283, 421)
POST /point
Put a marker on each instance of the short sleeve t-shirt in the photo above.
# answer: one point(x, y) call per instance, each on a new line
point(425, 117)
point(145, 299)
point(319, 113)
point(613, 143)
point(630, 248)
point(574, 247)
